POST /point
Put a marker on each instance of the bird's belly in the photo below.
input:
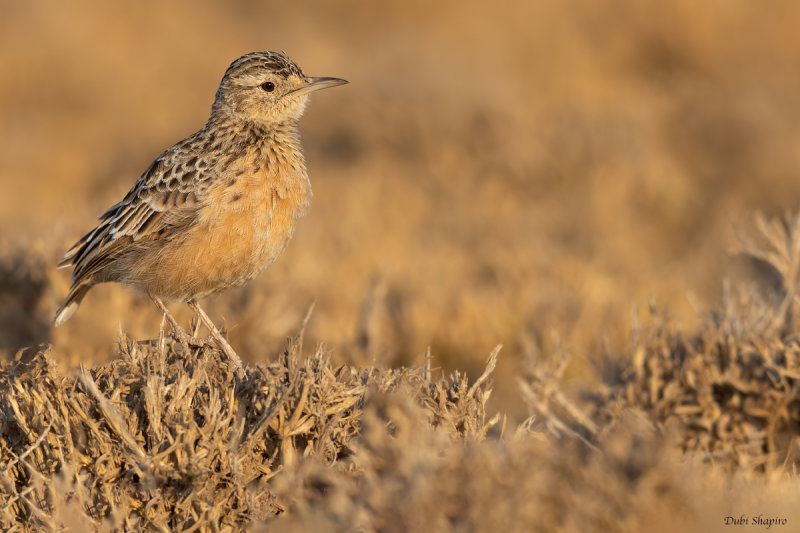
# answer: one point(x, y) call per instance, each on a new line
point(228, 246)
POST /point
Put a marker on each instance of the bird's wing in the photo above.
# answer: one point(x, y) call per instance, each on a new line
point(167, 195)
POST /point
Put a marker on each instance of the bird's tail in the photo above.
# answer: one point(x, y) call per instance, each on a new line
point(71, 303)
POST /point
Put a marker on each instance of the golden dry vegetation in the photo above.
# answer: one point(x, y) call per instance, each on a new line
point(567, 178)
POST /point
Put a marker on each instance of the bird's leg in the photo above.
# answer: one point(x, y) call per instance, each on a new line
point(196, 329)
point(223, 344)
point(184, 338)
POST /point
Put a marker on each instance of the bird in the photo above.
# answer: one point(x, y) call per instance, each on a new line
point(215, 209)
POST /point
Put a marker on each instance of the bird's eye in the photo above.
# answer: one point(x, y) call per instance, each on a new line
point(268, 86)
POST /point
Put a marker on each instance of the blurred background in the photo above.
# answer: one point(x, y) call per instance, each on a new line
point(496, 172)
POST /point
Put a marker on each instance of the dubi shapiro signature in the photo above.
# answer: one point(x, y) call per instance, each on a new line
point(755, 520)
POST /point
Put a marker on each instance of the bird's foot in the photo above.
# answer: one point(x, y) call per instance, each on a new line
point(223, 344)
point(178, 332)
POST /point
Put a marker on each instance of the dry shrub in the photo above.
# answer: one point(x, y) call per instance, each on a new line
point(730, 388)
point(25, 292)
point(162, 440)
point(404, 476)
point(733, 384)
point(689, 428)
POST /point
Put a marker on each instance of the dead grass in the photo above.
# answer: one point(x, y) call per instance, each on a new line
point(732, 386)
point(163, 440)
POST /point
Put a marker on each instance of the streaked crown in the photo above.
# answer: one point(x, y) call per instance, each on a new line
point(255, 64)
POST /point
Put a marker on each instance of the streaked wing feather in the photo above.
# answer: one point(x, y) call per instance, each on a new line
point(167, 194)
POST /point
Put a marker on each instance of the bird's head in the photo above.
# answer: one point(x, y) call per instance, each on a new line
point(266, 88)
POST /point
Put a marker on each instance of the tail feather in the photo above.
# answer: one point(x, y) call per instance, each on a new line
point(69, 258)
point(71, 303)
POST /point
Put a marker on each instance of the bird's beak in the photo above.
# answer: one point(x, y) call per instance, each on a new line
point(318, 83)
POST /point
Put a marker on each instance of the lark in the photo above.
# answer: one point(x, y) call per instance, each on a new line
point(215, 209)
